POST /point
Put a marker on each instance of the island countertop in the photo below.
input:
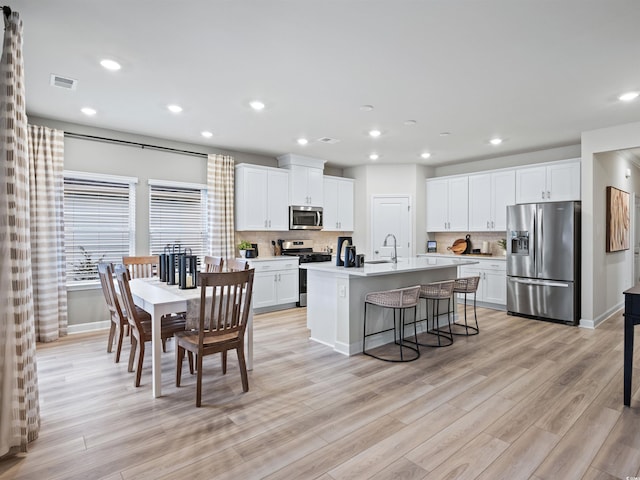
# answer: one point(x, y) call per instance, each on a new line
point(404, 265)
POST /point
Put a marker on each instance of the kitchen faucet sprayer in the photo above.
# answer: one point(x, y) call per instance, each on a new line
point(394, 256)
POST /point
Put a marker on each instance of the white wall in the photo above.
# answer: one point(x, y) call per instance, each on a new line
point(406, 179)
point(599, 300)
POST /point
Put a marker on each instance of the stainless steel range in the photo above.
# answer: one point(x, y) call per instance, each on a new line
point(303, 249)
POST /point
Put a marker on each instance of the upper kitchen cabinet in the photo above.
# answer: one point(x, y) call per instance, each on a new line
point(307, 185)
point(448, 204)
point(557, 182)
point(338, 204)
point(262, 198)
point(489, 195)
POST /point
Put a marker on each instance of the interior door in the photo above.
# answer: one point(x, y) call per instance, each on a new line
point(390, 214)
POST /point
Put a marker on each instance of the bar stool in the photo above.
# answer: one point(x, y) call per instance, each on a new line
point(436, 292)
point(466, 286)
point(399, 300)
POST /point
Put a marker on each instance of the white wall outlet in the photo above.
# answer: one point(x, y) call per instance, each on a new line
point(342, 291)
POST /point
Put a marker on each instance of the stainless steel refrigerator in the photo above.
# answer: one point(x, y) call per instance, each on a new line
point(543, 261)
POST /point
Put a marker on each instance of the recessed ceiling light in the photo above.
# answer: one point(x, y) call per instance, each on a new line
point(495, 141)
point(366, 108)
point(206, 134)
point(425, 155)
point(627, 97)
point(256, 105)
point(445, 134)
point(410, 122)
point(374, 156)
point(110, 64)
point(302, 141)
point(174, 108)
point(88, 111)
point(375, 133)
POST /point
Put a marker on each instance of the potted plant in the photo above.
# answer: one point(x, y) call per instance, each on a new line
point(243, 246)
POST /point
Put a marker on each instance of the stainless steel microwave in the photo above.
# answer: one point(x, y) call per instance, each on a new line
point(305, 218)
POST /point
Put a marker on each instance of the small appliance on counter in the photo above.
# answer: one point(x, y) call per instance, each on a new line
point(253, 251)
point(350, 256)
point(432, 246)
point(343, 242)
point(359, 260)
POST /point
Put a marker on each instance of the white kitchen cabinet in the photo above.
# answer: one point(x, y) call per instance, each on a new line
point(338, 204)
point(261, 198)
point(489, 195)
point(557, 182)
point(306, 187)
point(275, 282)
point(448, 204)
point(492, 289)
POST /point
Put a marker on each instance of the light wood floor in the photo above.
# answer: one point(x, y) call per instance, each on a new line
point(524, 399)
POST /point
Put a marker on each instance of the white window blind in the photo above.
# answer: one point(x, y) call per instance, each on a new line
point(177, 215)
point(99, 223)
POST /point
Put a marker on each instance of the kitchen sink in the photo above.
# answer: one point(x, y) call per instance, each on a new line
point(376, 261)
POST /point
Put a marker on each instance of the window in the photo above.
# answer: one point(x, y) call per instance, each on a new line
point(177, 215)
point(99, 222)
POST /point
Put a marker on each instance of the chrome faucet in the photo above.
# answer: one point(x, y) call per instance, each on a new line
point(394, 255)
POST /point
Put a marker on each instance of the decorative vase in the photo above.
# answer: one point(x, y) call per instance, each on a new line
point(243, 253)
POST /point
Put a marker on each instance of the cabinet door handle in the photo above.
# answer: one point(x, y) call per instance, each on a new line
point(487, 224)
point(266, 222)
point(493, 225)
point(279, 277)
point(269, 223)
point(548, 194)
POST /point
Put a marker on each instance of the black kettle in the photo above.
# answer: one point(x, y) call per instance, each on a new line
point(350, 256)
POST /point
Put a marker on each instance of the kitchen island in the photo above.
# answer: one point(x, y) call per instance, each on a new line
point(335, 296)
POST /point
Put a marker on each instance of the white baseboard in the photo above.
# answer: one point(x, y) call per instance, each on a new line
point(585, 323)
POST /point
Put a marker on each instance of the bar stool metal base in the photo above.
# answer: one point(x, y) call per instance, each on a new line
point(467, 286)
point(444, 338)
point(398, 336)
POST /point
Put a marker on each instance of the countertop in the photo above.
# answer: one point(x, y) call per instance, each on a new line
point(412, 264)
point(501, 258)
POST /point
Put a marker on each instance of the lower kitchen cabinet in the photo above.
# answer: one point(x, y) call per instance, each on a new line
point(275, 283)
point(492, 289)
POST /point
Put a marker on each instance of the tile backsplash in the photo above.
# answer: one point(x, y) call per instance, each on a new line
point(321, 240)
point(446, 239)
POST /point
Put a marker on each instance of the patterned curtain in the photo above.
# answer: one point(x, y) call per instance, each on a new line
point(46, 193)
point(19, 407)
point(220, 179)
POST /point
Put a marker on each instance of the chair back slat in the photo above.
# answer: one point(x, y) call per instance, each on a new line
point(122, 276)
point(230, 294)
point(142, 266)
point(213, 264)
point(105, 272)
point(236, 265)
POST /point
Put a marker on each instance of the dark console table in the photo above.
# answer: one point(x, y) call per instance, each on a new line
point(631, 318)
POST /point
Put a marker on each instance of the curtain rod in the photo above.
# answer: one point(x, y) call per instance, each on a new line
point(133, 144)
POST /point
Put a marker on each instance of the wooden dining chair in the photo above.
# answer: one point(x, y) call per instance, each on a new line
point(213, 264)
point(141, 330)
point(118, 319)
point(142, 266)
point(222, 324)
point(236, 265)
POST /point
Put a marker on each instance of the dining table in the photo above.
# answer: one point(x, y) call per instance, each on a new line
point(159, 299)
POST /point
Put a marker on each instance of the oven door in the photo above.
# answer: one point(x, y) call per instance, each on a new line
point(302, 277)
point(305, 218)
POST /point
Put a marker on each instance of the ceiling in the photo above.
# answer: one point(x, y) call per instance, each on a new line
point(535, 72)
